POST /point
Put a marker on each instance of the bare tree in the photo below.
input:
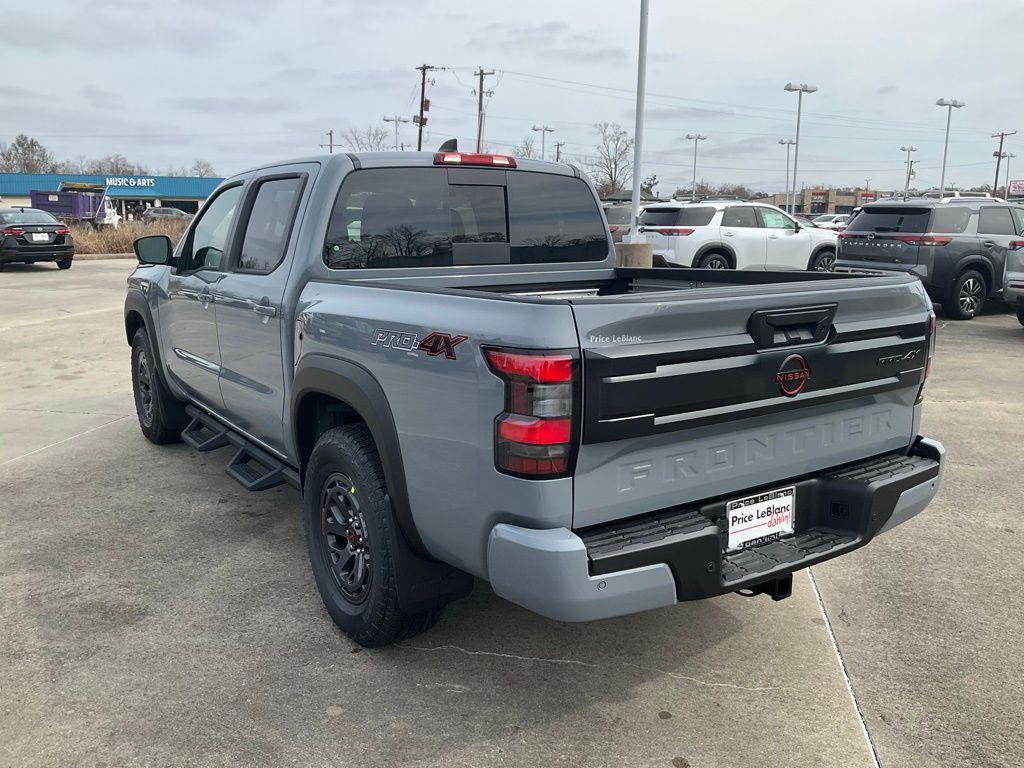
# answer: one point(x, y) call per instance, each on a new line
point(648, 184)
point(613, 167)
point(526, 148)
point(115, 164)
point(202, 168)
point(372, 138)
point(25, 155)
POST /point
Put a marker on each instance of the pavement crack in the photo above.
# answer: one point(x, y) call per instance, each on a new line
point(513, 656)
point(846, 677)
point(592, 665)
point(61, 442)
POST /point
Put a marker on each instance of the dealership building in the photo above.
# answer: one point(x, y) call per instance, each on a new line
point(131, 194)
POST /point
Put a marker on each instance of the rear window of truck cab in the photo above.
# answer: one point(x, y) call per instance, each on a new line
point(431, 217)
point(699, 216)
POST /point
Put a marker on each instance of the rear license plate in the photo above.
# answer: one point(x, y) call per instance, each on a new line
point(756, 519)
point(40, 237)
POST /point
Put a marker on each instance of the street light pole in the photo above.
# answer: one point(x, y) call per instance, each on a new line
point(396, 119)
point(788, 143)
point(908, 148)
point(801, 89)
point(949, 104)
point(544, 131)
point(638, 129)
point(999, 155)
point(695, 138)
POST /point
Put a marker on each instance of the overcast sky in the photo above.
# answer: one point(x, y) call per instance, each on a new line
point(240, 82)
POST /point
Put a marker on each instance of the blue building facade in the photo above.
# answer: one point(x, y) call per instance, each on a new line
point(138, 192)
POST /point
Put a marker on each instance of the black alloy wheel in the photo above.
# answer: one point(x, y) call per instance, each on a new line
point(346, 545)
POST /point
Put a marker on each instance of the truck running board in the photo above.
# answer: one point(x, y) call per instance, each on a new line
point(254, 468)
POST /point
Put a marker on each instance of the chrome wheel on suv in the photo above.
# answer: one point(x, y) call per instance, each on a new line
point(971, 295)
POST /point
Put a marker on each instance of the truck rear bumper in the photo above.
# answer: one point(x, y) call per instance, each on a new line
point(675, 555)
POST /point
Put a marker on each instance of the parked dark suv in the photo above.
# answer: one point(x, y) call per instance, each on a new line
point(957, 247)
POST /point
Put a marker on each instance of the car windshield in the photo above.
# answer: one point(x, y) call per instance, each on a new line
point(27, 217)
point(698, 216)
point(893, 219)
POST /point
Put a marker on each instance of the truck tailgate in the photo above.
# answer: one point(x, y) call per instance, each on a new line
point(707, 392)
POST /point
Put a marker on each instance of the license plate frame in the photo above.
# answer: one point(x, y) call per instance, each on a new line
point(40, 237)
point(760, 518)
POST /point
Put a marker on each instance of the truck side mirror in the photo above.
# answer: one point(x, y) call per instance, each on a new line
point(153, 249)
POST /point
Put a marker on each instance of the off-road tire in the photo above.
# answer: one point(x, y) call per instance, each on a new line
point(374, 618)
point(63, 263)
point(823, 261)
point(966, 296)
point(161, 417)
point(714, 260)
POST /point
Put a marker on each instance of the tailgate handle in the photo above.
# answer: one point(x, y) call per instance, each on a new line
point(787, 327)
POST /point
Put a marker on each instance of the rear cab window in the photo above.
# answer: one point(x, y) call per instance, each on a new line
point(693, 216)
point(437, 217)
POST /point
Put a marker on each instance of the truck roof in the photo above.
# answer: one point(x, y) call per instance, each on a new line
point(409, 160)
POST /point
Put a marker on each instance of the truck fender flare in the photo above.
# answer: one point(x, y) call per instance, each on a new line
point(715, 246)
point(355, 386)
point(135, 304)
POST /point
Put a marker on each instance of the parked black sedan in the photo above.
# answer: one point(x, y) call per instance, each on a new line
point(29, 235)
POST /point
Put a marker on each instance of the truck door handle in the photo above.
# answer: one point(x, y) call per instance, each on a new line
point(264, 309)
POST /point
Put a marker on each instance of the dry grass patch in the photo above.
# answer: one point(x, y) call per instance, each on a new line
point(109, 240)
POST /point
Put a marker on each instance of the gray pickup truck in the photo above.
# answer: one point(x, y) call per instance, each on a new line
point(439, 352)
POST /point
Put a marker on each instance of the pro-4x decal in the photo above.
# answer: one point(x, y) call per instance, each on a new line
point(434, 344)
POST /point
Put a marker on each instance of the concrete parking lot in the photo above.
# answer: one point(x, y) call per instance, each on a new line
point(154, 613)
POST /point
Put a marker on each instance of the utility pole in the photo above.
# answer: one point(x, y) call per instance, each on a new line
point(638, 130)
point(481, 74)
point(867, 185)
point(950, 105)
point(330, 142)
point(560, 144)
point(695, 138)
point(396, 119)
point(424, 104)
point(1009, 157)
point(544, 131)
point(787, 143)
point(999, 155)
point(801, 89)
point(908, 148)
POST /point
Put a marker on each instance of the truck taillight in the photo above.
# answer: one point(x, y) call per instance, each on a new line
point(931, 353)
point(536, 434)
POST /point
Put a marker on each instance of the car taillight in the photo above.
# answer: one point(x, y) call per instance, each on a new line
point(924, 239)
point(1016, 245)
point(536, 434)
point(63, 231)
point(12, 231)
point(469, 158)
point(613, 227)
point(678, 231)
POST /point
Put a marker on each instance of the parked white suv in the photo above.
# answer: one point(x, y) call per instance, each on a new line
point(729, 234)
